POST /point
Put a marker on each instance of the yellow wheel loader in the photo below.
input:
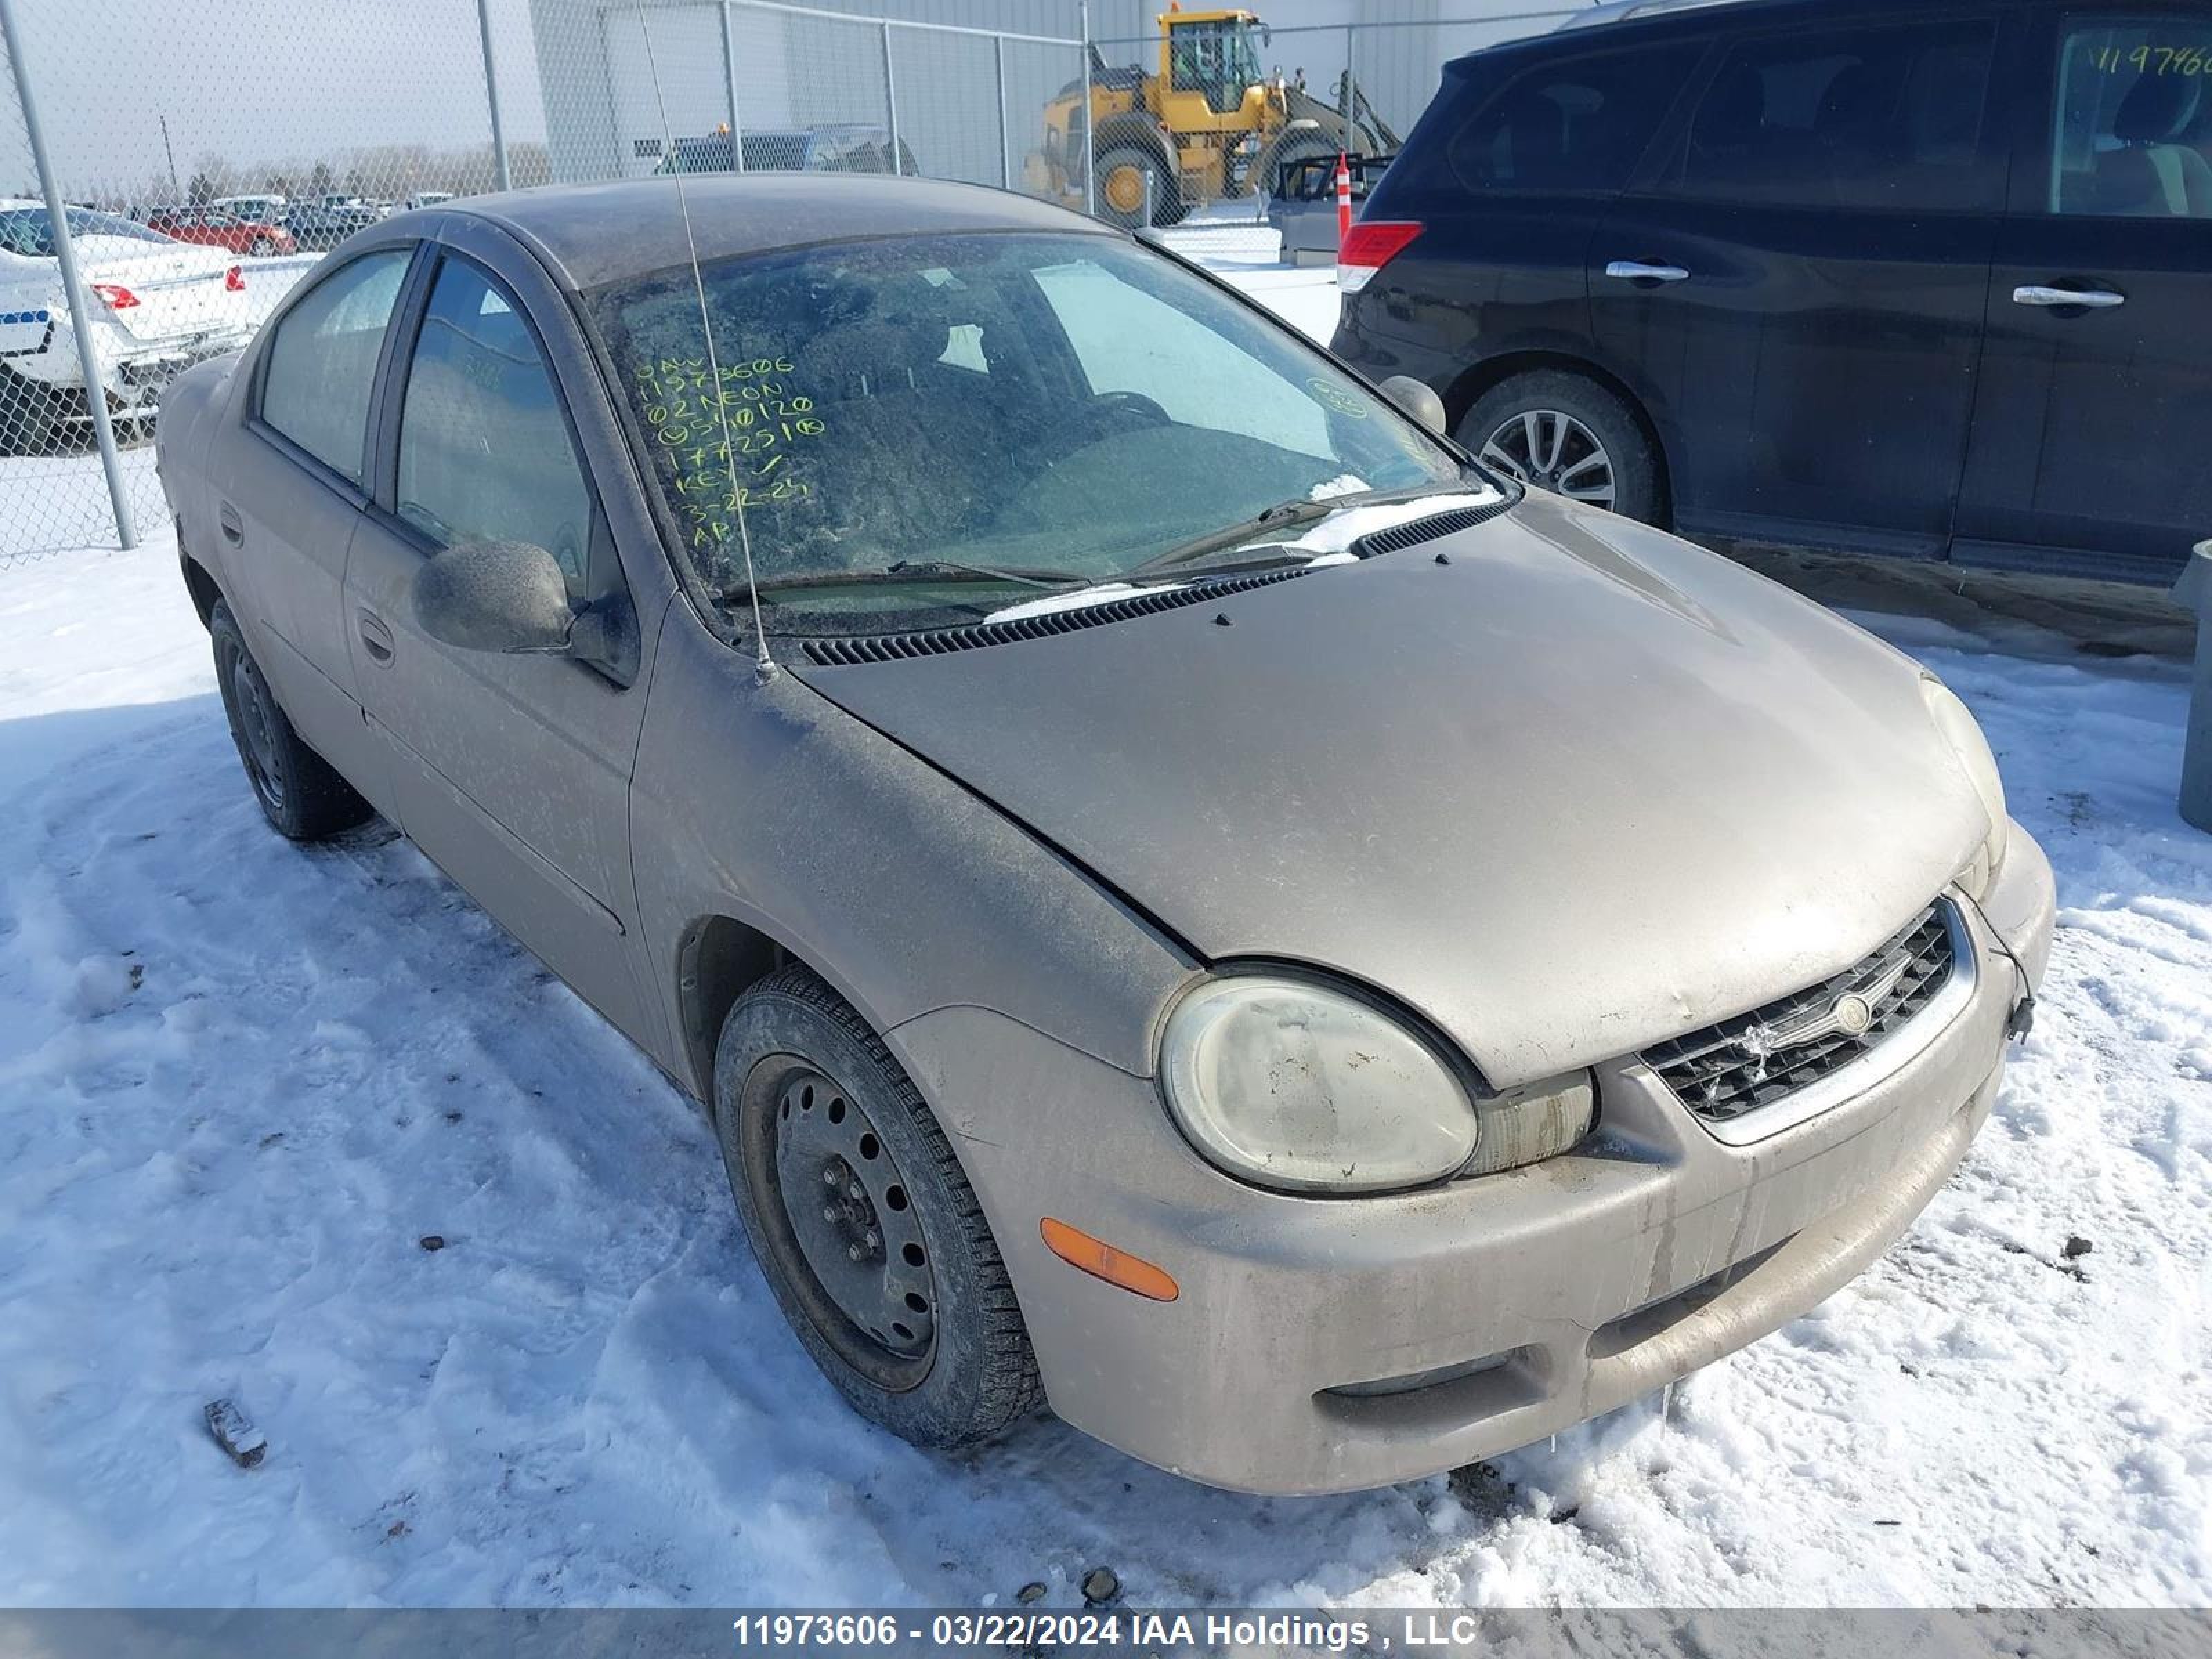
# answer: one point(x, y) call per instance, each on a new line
point(1145, 149)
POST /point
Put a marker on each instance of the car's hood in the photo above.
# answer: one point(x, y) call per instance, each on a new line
point(1579, 788)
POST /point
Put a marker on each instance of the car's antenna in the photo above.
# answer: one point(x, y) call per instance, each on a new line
point(764, 668)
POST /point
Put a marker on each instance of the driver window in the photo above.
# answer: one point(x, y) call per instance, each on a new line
point(484, 450)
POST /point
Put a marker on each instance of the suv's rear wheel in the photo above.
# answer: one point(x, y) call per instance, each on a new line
point(861, 1219)
point(1564, 432)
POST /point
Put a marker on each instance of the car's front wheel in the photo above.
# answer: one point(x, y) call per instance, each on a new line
point(862, 1220)
point(300, 794)
point(263, 247)
point(1564, 432)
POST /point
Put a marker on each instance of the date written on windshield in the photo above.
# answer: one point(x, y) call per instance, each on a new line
point(769, 422)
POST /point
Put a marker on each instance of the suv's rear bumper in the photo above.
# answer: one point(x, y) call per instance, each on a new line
point(1584, 1281)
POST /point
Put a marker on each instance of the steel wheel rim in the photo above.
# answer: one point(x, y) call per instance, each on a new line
point(1125, 188)
point(1550, 449)
point(853, 1231)
point(257, 731)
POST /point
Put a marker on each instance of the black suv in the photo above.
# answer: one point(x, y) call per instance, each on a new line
point(1931, 279)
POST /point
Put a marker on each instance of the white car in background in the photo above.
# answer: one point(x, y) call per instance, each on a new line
point(425, 198)
point(156, 307)
point(264, 209)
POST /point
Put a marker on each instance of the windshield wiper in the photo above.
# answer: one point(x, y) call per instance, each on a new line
point(1283, 515)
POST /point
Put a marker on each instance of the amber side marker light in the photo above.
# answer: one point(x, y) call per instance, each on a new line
point(1102, 1261)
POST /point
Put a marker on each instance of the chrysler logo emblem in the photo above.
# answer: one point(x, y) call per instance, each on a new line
point(1850, 1015)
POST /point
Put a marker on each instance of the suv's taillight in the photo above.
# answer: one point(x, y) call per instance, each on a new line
point(115, 296)
point(234, 279)
point(1372, 245)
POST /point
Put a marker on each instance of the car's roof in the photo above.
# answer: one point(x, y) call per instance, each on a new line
point(1585, 27)
point(592, 235)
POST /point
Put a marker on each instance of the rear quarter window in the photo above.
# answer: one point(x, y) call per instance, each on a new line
point(1572, 124)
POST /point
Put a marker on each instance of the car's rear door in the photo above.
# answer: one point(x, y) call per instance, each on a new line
point(2095, 413)
point(1795, 289)
point(289, 481)
point(510, 771)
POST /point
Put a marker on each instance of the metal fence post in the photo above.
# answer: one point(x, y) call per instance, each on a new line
point(1090, 143)
point(1006, 144)
point(729, 77)
point(1350, 91)
point(87, 355)
point(491, 97)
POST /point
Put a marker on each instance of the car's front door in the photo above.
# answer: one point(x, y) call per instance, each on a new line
point(510, 771)
point(1795, 287)
point(2095, 414)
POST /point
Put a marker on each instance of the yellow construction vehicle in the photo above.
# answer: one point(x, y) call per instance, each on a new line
point(1138, 148)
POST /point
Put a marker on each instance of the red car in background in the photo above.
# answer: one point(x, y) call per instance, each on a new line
point(213, 228)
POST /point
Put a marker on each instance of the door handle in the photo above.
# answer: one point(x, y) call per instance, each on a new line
point(2095, 299)
point(227, 521)
point(375, 638)
point(1636, 271)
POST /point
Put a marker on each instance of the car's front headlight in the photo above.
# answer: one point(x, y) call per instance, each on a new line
point(1965, 735)
point(1292, 1084)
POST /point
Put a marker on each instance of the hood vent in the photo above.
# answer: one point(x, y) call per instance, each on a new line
point(1414, 532)
point(974, 636)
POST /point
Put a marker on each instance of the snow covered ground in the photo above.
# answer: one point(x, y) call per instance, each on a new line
point(242, 1082)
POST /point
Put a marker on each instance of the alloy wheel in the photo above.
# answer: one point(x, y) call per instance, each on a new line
point(1550, 449)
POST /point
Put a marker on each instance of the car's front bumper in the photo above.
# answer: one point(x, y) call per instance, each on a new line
point(1578, 1284)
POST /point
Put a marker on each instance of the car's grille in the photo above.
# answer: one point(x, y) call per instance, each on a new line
point(1765, 1056)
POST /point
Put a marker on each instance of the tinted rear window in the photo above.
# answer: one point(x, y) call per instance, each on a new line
point(1573, 126)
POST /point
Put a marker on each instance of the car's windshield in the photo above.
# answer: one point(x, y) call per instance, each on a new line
point(1066, 405)
point(30, 232)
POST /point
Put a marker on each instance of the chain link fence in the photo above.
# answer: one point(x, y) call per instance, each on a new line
point(192, 164)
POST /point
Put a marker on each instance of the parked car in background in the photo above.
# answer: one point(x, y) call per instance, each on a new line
point(426, 198)
point(267, 209)
point(854, 148)
point(1302, 205)
point(1184, 897)
point(214, 227)
point(158, 305)
point(329, 220)
point(1923, 279)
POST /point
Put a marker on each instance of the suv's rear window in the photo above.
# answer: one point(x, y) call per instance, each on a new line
point(1884, 117)
point(1579, 124)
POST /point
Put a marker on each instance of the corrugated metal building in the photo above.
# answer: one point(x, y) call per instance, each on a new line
point(607, 95)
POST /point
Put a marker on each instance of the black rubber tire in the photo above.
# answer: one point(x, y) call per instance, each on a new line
point(981, 1376)
point(30, 422)
point(1636, 492)
point(302, 794)
point(262, 248)
point(1168, 205)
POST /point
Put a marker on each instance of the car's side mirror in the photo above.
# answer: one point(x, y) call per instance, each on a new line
point(1419, 401)
point(494, 596)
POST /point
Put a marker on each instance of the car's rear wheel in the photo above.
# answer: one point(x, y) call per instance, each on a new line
point(30, 415)
point(1564, 432)
point(300, 794)
point(263, 247)
point(863, 1221)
